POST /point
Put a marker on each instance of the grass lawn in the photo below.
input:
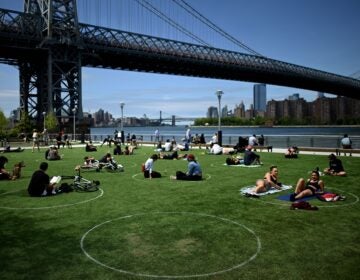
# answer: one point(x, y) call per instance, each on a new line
point(134, 228)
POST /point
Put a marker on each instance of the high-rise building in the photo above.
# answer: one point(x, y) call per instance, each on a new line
point(260, 97)
point(212, 112)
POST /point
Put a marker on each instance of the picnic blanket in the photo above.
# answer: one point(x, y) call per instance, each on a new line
point(327, 197)
point(249, 190)
point(286, 197)
point(242, 165)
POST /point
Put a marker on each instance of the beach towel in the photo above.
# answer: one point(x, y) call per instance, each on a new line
point(249, 190)
point(242, 165)
point(286, 197)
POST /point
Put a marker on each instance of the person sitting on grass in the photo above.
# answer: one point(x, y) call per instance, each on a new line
point(149, 168)
point(90, 147)
point(308, 188)
point(269, 182)
point(52, 153)
point(4, 174)
point(129, 150)
point(335, 167)
point(194, 172)
point(251, 158)
point(117, 150)
point(291, 152)
point(40, 182)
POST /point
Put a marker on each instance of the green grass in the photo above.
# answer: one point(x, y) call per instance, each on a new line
point(163, 227)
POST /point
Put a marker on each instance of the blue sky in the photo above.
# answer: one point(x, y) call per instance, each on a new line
point(321, 34)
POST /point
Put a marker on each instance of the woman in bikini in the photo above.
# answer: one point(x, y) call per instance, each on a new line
point(313, 186)
point(270, 181)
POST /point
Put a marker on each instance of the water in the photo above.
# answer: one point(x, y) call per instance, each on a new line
point(281, 137)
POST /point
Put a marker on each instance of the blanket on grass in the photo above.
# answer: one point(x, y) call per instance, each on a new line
point(242, 165)
point(286, 197)
point(326, 197)
point(249, 190)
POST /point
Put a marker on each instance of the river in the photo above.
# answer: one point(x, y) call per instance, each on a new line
point(317, 136)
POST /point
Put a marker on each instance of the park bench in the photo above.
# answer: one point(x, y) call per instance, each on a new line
point(336, 151)
point(268, 148)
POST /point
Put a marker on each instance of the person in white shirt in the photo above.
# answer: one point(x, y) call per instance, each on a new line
point(188, 135)
point(214, 138)
point(167, 146)
point(216, 149)
point(149, 168)
point(253, 141)
point(346, 143)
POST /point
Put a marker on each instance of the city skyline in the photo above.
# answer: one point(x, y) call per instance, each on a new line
point(318, 34)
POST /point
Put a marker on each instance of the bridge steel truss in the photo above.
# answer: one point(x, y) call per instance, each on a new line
point(49, 46)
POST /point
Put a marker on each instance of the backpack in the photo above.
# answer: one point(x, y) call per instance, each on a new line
point(302, 205)
point(330, 197)
point(143, 167)
point(65, 188)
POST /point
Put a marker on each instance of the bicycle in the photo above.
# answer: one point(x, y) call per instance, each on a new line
point(80, 184)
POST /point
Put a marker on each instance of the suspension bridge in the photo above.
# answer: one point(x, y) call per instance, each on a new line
point(49, 46)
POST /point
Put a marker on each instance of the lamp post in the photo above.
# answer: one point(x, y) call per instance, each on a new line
point(74, 111)
point(44, 114)
point(219, 93)
point(122, 104)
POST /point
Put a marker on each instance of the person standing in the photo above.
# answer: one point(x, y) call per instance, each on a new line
point(157, 135)
point(40, 182)
point(149, 168)
point(35, 138)
point(346, 143)
point(188, 135)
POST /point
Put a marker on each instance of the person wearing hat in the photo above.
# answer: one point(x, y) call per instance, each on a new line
point(194, 172)
point(335, 167)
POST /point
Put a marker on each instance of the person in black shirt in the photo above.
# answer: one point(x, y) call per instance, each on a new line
point(251, 158)
point(335, 167)
point(40, 182)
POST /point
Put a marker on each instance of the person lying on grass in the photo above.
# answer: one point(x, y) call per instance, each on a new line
point(335, 167)
point(194, 172)
point(309, 188)
point(269, 182)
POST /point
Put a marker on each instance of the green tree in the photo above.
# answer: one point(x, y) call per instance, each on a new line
point(51, 122)
point(3, 124)
point(24, 125)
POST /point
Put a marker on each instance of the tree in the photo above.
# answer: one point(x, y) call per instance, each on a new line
point(51, 122)
point(3, 124)
point(24, 125)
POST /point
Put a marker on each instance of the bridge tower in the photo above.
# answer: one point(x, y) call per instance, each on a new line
point(52, 82)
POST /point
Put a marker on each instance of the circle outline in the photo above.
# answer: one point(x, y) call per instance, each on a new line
point(172, 276)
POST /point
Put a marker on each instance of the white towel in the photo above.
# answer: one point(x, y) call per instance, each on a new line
point(250, 190)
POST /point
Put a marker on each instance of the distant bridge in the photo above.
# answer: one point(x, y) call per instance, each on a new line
point(50, 46)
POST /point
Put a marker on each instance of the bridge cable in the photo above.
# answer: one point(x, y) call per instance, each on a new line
point(213, 26)
point(168, 20)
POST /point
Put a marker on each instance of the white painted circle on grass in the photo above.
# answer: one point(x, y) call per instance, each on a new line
point(50, 207)
point(213, 273)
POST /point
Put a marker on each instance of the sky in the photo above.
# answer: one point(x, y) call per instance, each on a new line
point(321, 34)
